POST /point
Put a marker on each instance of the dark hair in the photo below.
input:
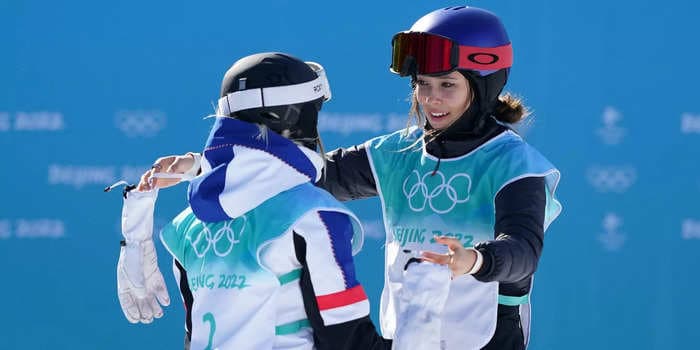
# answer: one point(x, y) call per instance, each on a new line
point(510, 109)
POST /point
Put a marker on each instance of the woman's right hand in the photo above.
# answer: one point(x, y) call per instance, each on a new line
point(179, 164)
point(460, 260)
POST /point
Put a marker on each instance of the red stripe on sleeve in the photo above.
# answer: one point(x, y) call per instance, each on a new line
point(346, 297)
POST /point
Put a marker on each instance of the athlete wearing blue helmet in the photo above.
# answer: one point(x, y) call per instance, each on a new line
point(469, 40)
point(458, 59)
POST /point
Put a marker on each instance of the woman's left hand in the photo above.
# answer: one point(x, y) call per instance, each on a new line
point(459, 259)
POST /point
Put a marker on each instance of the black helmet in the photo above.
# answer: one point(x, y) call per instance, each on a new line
point(277, 90)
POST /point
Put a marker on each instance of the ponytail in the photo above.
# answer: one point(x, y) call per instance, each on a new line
point(510, 109)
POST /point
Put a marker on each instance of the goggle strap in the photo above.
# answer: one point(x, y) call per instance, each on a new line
point(485, 58)
point(278, 95)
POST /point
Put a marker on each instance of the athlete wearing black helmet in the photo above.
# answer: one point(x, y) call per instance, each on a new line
point(278, 91)
point(263, 258)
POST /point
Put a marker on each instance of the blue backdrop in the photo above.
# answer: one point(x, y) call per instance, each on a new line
point(92, 92)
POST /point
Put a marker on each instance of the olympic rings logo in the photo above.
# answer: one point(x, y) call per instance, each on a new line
point(418, 194)
point(206, 240)
point(140, 123)
point(612, 179)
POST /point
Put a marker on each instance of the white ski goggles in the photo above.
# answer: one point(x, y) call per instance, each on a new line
point(278, 95)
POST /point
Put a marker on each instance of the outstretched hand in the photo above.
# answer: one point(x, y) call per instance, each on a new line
point(458, 259)
point(179, 164)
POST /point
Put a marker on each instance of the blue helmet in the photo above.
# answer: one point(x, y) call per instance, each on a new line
point(484, 49)
point(466, 26)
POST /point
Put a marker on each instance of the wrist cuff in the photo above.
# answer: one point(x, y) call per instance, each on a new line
point(477, 264)
point(194, 170)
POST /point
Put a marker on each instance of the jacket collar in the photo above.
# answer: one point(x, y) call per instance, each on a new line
point(243, 165)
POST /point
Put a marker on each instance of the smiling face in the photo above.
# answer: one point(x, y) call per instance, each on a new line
point(444, 98)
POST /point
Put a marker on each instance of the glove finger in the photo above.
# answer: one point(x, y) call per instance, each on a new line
point(162, 295)
point(145, 308)
point(157, 310)
point(129, 307)
point(159, 289)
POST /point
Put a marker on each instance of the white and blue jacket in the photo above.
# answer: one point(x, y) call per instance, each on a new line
point(263, 258)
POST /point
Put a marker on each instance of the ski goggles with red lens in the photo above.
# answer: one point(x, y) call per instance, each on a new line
point(430, 54)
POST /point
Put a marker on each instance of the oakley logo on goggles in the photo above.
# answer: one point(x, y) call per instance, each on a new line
point(278, 95)
point(425, 53)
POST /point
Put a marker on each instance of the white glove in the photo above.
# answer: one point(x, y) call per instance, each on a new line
point(140, 284)
point(137, 215)
point(420, 303)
